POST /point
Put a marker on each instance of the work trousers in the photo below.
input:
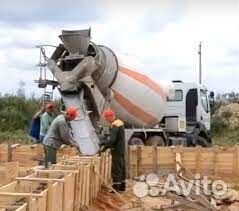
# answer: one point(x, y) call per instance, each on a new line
point(50, 155)
point(118, 169)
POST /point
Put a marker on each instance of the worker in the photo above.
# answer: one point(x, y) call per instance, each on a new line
point(116, 143)
point(46, 119)
point(58, 134)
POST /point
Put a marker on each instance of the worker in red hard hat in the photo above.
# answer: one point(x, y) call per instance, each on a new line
point(116, 143)
point(46, 119)
point(59, 133)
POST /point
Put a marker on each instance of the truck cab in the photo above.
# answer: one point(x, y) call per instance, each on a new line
point(188, 114)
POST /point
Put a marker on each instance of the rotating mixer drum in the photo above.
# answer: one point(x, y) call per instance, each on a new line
point(137, 100)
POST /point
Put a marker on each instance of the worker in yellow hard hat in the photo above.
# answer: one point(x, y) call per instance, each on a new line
point(58, 134)
point(116, 143)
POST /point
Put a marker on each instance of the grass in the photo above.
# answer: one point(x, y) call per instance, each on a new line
point(13, 137)
point(226, 138)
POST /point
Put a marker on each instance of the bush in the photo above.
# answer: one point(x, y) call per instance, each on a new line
point(218, 125)
point(226, 114)
point(16, 112)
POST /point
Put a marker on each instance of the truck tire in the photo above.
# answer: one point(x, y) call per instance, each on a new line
point(201, 142)
point(155, 141)
point(135, 141)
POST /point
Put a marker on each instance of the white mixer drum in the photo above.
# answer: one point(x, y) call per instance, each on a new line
point(138, 100)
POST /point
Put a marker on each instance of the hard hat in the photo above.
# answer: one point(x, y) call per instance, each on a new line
point(49, 105)
point(109, 113)
point(72, 111)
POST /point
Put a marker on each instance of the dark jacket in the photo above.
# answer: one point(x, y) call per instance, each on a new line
point(117, 138)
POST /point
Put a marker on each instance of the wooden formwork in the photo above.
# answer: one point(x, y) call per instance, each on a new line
point(10, 170)
point(60, 188)
point(92, 173)
point(20, 192)
point(30, 155)
point(218, 162)
point(70, 185)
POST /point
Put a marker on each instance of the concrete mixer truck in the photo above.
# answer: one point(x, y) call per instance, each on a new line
point(92, 77)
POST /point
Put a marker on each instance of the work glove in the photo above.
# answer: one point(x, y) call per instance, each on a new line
point(102, 145)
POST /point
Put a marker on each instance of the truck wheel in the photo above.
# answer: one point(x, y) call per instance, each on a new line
point(155, 141)
point(135, 141)
point(201, 142)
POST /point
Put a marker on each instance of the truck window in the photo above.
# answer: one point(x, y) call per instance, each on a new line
point(178, 96)
point(191, 105)
point(204, 100)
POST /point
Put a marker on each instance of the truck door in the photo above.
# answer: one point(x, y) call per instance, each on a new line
point(191, 106)
point(204, 109)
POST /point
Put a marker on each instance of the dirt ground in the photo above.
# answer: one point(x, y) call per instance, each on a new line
point(111, 202)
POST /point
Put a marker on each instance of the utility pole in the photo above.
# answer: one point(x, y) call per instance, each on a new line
point(200, 62)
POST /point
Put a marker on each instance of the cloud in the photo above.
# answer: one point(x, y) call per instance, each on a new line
point(26, 12)
point(158, 37)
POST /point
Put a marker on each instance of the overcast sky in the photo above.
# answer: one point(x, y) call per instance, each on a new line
point(160, 37)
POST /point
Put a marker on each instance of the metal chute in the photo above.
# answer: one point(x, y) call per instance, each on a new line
point(83, 132)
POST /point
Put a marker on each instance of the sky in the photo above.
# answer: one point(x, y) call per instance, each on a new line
point(159, 37)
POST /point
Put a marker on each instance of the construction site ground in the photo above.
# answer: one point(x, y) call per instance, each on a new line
point(79, 182)
point(107, 201)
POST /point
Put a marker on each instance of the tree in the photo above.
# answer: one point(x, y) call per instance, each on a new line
point(21, 89)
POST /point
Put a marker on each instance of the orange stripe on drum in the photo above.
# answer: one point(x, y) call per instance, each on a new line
point(143, 79)
point(134, 110)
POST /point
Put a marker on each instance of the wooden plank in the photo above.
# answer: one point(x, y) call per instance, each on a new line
point(236, 162)
point(132, 161)
point(178, 161)
point(20, 194)
point(154, 157)
point(198, 160)
point(50, 196)
point(87, 198)
point(68, 192)
point(39, 179)
point(57, 171)
point(57, 196)
point(139, 160)
point(80, 185)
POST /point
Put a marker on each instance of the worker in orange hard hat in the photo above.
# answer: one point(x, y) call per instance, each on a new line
point(116, 143)
point(46, 119)
point(59, 133)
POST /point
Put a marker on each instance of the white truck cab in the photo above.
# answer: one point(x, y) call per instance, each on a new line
point(188, 112)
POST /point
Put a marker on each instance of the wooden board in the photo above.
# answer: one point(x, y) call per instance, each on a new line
point(206, 161)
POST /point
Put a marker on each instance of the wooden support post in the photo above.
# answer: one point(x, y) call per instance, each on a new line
point(236, 162)
point(50, 196)
point(110, 167)
point(214, 162)
point(127, 160)
point(198, 160)
point(88, 167)
point(139, 157)
point(154, 157)
point(178, 161)
point(132, 165)
point(29, 203)
point(9, 152)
